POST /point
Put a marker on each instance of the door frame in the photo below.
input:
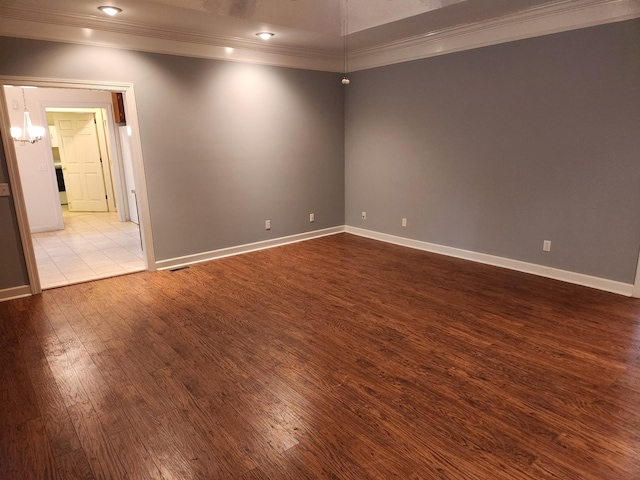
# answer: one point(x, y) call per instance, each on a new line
point(131, 112)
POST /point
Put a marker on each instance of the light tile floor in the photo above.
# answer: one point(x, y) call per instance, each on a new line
point(93, 245)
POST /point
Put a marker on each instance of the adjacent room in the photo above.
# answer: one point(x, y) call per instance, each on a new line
point(330, 239)
point(77, 182)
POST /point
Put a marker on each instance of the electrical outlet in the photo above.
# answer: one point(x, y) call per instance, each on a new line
point(4, 190)
point(42, 167)
point(15, 104)
point(546, 245)
point(267, 224)
point(312, 217)
point(404, 222)
point(364, 215)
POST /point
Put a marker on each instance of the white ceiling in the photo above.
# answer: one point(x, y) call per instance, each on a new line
point(319, 16)
point(308, 33)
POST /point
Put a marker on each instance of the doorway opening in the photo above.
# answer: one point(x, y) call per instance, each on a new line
point(94, 240)
point(81, 159)
point(77, 187)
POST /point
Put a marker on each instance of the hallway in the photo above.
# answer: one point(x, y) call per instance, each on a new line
point(93, 245)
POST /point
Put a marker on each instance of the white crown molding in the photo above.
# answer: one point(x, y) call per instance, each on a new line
point(39, 25)
point(79, 29)
point(131, 28)
point(545, 20)
point(516, 265)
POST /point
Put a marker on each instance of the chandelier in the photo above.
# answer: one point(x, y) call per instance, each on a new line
point(345, 37)
point(28, 133)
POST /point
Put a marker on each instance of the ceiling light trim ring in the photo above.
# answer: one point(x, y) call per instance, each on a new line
point(110, 10)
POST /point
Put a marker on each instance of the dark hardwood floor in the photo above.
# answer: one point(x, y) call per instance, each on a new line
point(337, 358)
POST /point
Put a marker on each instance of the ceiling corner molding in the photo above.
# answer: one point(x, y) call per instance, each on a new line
point(560, 17)
point(20, 23)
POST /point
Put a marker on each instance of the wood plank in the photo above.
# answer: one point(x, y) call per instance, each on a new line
point(14, 444)
point(42, 463)
point(169, 459)
point(203, 425)
point(74, 466)
point(60, 431)
point(134, 456)
point(339, 357)
point(100, 452)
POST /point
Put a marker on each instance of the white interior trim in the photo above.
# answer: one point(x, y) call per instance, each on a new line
point(139, 177)
point(15, 292)
point(636, 289)
point(17, 194)
point(23, 22)
point(565, 16)
point(14, 178)
point(52, 176)
point(516, 265)
point(540, 270)
point(545, 20)
point(124, 212)
point(144, 39)
point(250, 247)
point(107, 128)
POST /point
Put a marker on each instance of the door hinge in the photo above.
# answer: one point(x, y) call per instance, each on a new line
point(94, 121)
point(106, 197)
point(100, 159)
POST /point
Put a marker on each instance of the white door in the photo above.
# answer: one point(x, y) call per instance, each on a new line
point(81, 162)
point(127, 164)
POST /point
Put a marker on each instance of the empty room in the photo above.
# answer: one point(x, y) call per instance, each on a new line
point(306, 239)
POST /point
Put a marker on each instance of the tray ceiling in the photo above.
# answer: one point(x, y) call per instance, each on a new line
point(308, 33)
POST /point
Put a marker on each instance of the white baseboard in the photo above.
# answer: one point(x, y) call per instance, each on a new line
point(532, 268)
point(47, 228)
point(15, 292)
point(250, 247)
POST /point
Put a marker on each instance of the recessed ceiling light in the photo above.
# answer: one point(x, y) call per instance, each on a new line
point(110, 10)
point(265, 35)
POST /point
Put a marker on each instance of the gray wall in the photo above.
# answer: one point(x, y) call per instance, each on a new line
point(226, 145)
point(496, 149)
point(13, 270)
point(491, 150)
